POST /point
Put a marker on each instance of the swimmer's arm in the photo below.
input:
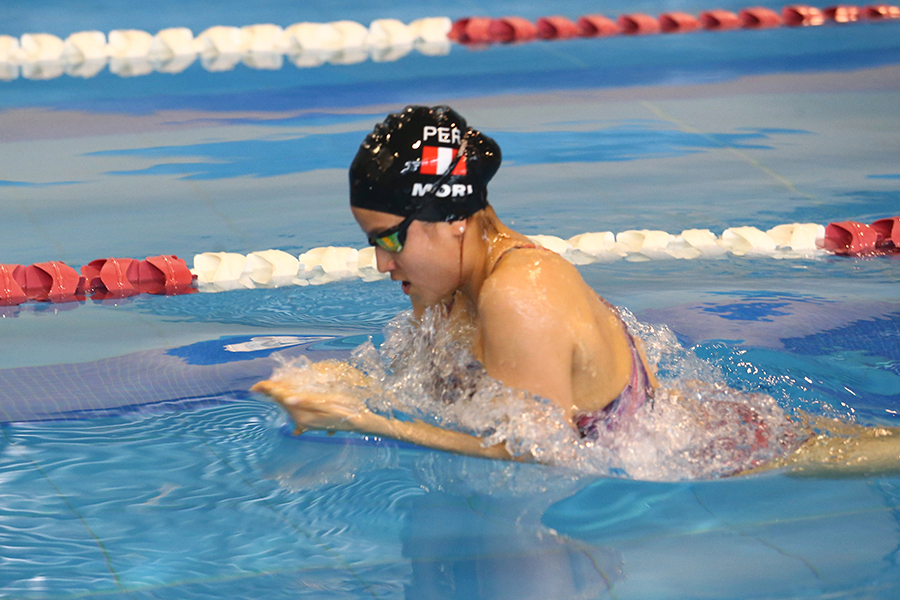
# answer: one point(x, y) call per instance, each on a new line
point(651, 369)
point(424, 434)
point(342, 412)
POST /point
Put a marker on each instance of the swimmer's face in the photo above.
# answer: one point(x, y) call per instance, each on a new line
point(428, 264)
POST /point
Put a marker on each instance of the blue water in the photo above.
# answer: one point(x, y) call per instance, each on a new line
point(137, 464)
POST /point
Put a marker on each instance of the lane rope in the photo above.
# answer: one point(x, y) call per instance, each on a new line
point(133, 52)
point(101, 279)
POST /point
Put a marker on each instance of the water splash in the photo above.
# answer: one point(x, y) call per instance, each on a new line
point(696, 428)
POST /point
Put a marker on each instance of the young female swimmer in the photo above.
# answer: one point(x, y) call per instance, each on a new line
point(418, 189)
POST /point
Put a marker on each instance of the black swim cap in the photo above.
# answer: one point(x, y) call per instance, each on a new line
point(411, 164)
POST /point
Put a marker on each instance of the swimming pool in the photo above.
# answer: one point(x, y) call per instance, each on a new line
point(134, 462)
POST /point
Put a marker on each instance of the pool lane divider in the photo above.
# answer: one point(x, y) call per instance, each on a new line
point(57, 282)
point(133, 52)
point(113, 278)
point(512, 29)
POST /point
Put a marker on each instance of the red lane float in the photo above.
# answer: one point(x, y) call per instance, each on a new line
point(164, 274)
point(52, 281)
point(110, 277)
point(878, 12)
point(888, 231)
point(678, 22)
point(557, 28)
point(800, 15)
point(597, 26)
point(123, 277)
point(759, 17)
point(638, 24)
point(56, 281)
point(512, 29)
point(719, 20)
point(11, 293)
point(472, 30)
point(842, 13)
point(484, 30)
point(850, 237)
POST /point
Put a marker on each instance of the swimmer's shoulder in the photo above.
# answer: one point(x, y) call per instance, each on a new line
point(531, 280)
point(533, 262)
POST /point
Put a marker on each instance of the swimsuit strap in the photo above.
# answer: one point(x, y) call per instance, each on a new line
point(519, 247)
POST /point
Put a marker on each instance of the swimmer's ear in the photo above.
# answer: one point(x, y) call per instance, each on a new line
point(458, 228)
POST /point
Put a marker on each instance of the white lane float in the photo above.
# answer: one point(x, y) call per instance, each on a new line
point(269, 268)
point(747, 240)
point(131, 52)
point(644, 244)
point(217, 271)
point(798, 237)
point(599, 246)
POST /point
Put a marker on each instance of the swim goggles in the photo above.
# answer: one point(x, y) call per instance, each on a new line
point(393, 239)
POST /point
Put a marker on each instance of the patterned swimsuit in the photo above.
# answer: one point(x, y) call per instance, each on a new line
point(636, 393)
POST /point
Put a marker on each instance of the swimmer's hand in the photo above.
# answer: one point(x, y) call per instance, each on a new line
point(314, 407)
point(330, 407)
point(331, 411)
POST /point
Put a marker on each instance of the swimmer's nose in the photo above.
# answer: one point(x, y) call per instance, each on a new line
point(384, 260)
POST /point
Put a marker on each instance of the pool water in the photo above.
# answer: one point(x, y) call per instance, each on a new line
point(134, 461)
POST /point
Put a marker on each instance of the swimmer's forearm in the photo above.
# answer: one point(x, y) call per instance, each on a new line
point(336, 411)
point(423, 434)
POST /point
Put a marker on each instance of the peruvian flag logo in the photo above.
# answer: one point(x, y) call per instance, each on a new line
point(436, 159)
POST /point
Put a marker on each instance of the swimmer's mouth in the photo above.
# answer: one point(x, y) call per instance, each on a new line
point(404, 285)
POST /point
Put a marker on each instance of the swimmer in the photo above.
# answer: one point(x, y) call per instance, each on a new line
point(418, 190)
